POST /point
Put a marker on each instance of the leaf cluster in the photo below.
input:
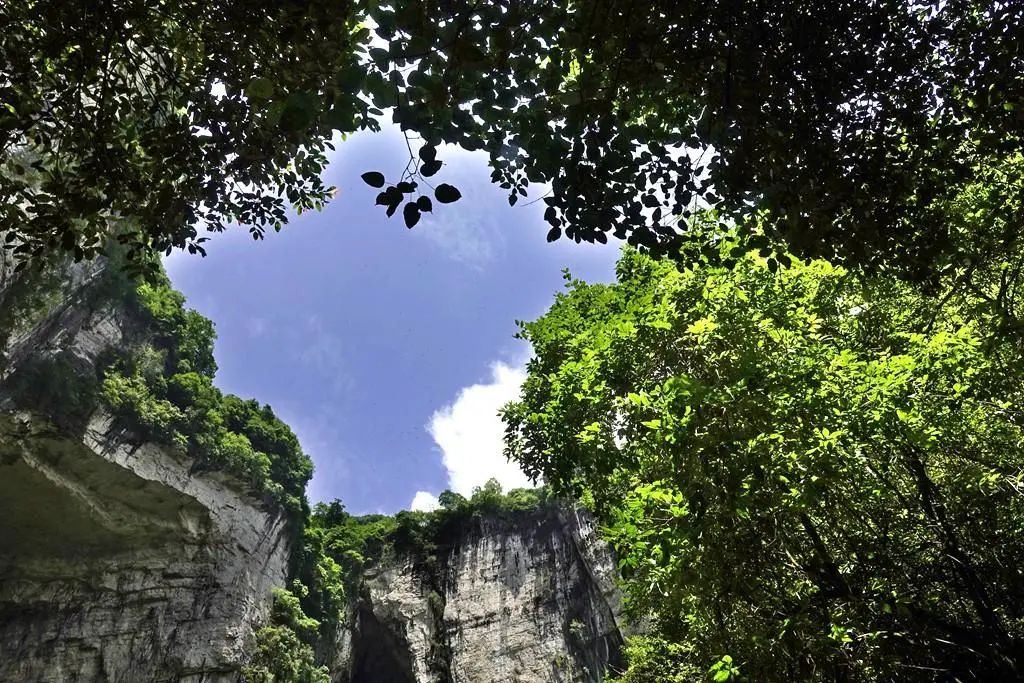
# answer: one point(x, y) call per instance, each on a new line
point(183, 115)
point(815, 474)
point(283, 651)
point(845, 124)
point(164, 390)
point(847, 127)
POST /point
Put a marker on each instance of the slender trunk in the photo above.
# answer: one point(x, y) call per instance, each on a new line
point(977, 593)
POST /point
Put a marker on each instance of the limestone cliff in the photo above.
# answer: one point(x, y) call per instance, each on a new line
point(523, 597)
point(117, 561)
point(121, 561)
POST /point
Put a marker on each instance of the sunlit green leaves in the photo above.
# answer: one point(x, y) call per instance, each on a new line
point(769, 451)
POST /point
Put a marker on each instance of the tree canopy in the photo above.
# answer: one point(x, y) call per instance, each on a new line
point(180, 115)
point(847, 125)
point(813, 475)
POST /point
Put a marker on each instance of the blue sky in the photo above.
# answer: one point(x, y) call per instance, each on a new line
point(387, 350)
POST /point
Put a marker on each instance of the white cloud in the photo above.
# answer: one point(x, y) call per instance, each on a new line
point(424, 501)
point(470, 434)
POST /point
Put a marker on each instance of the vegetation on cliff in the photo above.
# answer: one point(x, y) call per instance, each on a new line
point(355, 541)
point(283, 652)
point(164, 390)
point(158, 383)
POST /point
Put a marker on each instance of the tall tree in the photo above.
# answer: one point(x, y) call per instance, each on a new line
point(817, 477)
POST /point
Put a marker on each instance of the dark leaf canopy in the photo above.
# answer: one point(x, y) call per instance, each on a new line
point(180, 116)
point(843, 125)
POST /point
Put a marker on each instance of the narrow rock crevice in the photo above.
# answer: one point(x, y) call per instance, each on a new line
point(379, 655)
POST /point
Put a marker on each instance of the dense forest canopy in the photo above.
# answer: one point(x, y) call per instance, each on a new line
point(846, 126)
point(812, 473)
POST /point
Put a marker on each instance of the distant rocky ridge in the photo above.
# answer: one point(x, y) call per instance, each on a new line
point(119, 562)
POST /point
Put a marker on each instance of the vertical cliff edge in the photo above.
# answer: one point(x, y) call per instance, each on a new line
point(118, 562)
point(125, 557)
point(525, 596)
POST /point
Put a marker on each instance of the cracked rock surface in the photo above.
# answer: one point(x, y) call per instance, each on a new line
point(117, 562)
point(527, 597)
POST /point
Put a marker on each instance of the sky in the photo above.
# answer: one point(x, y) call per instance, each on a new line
point(387, 350)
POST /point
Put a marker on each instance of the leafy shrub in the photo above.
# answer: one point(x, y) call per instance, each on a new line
point(164, 390)
point(654, 659)
point(283, 652)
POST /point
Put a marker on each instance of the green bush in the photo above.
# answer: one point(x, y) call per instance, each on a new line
point(164, 390)
point(284, 652)
point(655, 659)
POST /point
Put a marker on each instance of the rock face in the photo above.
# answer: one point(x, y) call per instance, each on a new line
point(117, 563)
point(526, 597)
point(120, 564)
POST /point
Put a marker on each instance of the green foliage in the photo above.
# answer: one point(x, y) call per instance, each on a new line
point(655, 659)
point(355, 541)
point(633, 115)
point(287, 611)
point(165, 391)
point(183, 115)
point(283, 652)
point(815, 475)
point(188, 115)
point(154, 417)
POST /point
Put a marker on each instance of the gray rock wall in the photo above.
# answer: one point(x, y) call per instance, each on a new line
point(117, 562)
point(527, 597)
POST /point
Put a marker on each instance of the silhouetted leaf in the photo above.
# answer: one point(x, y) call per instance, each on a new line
point(373, 178)
point(446, 194)
point(411, 213)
